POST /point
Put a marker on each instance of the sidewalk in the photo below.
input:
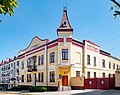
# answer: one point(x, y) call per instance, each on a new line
point(46, 93)
point(59, 92)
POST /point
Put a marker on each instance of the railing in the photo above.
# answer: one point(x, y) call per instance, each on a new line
point(32, 68)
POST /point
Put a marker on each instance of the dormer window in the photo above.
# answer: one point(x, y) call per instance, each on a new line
point(64, 23)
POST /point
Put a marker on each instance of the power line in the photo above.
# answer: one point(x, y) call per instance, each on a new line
point(109, 40)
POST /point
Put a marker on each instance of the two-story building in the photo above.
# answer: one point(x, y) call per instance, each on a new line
point(56, 63)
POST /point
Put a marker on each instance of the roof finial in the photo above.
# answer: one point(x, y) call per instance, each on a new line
point(65, 7)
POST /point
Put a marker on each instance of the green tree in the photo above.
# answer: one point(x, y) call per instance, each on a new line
point(116, 8)
point(7, 6)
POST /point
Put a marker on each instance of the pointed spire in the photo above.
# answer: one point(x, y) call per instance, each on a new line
point(65, 25)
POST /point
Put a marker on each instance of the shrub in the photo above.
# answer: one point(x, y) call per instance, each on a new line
point(37, 89)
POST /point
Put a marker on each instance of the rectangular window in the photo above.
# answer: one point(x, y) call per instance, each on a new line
point(18, 63)
point(41, 77)
point(77, 73)
point(52, 76)
point(117, 66)
point(103, 63)
point(11, 71)
point(113, 65)
point(39, 58)
point(52, 57)
point(94, 74)
point(109, 65)
point(22, 65)
point(88, 74)
point(22, 78)
point(11, 64)
point(103, 75)
point(42, 59)
point(14, 65)
point(94, 61)
point(28, 77)
point(64, 54)
point(88, 59)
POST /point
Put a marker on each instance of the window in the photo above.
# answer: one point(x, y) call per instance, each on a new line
point(52, 76)
point(88, 74)
point(22, 64)
point(28, 77)
point(18, 63)
point(39, 60)
point(22, 78)
point(42, 59)
point(94, 61)
point(41, 77)
point(117, 66)
point(77, 73)
point(103, 75)
point(29, 62)
point(113, 65)
point(11, 71)
point(94, 74)
point(14, 65)
point(11, 64)
point(64, 54)
point(103, 63)
point(52, 57)
point(88, 59)
point(109, 65)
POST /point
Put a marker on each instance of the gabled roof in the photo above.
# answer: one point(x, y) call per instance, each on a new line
point(65, 24)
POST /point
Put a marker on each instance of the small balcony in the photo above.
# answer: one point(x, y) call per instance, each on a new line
point(32, 68)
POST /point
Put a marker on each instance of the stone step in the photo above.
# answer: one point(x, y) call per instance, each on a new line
point(64, 88)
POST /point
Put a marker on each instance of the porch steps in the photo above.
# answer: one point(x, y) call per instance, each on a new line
point(64, 88)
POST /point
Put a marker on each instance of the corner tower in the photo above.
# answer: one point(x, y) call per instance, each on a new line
point(65, 29)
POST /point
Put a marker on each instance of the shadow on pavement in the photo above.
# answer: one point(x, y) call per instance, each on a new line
point(101, 92)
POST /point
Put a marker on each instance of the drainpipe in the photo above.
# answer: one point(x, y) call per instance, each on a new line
point(83, 65)
point(46, 50)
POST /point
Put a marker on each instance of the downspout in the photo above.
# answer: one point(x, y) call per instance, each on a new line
point(46, 49)
point(83, 65)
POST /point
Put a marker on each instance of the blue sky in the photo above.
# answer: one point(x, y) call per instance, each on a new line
point(90, 19)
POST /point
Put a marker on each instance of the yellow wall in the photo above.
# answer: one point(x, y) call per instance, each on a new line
point(77, 81)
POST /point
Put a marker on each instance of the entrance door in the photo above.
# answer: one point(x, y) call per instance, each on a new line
point(64, 80)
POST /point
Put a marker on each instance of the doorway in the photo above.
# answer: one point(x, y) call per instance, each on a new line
point(64, 80)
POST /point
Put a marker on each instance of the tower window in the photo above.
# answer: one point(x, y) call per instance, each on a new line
point(64, 54)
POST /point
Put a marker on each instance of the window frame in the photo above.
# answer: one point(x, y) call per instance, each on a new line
point(42, 59)
point(103, 75)
point(52, 76)
point(95, 61)
point(95, 74)
point(109, 65)
point(52, 57)
point(88, 59)
point(41, 77)
point(64, 54)
point(22, 65)
point(77, 73)
point(39, 60)
point(88, 74)
point(103, 63)
point(22, 78)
